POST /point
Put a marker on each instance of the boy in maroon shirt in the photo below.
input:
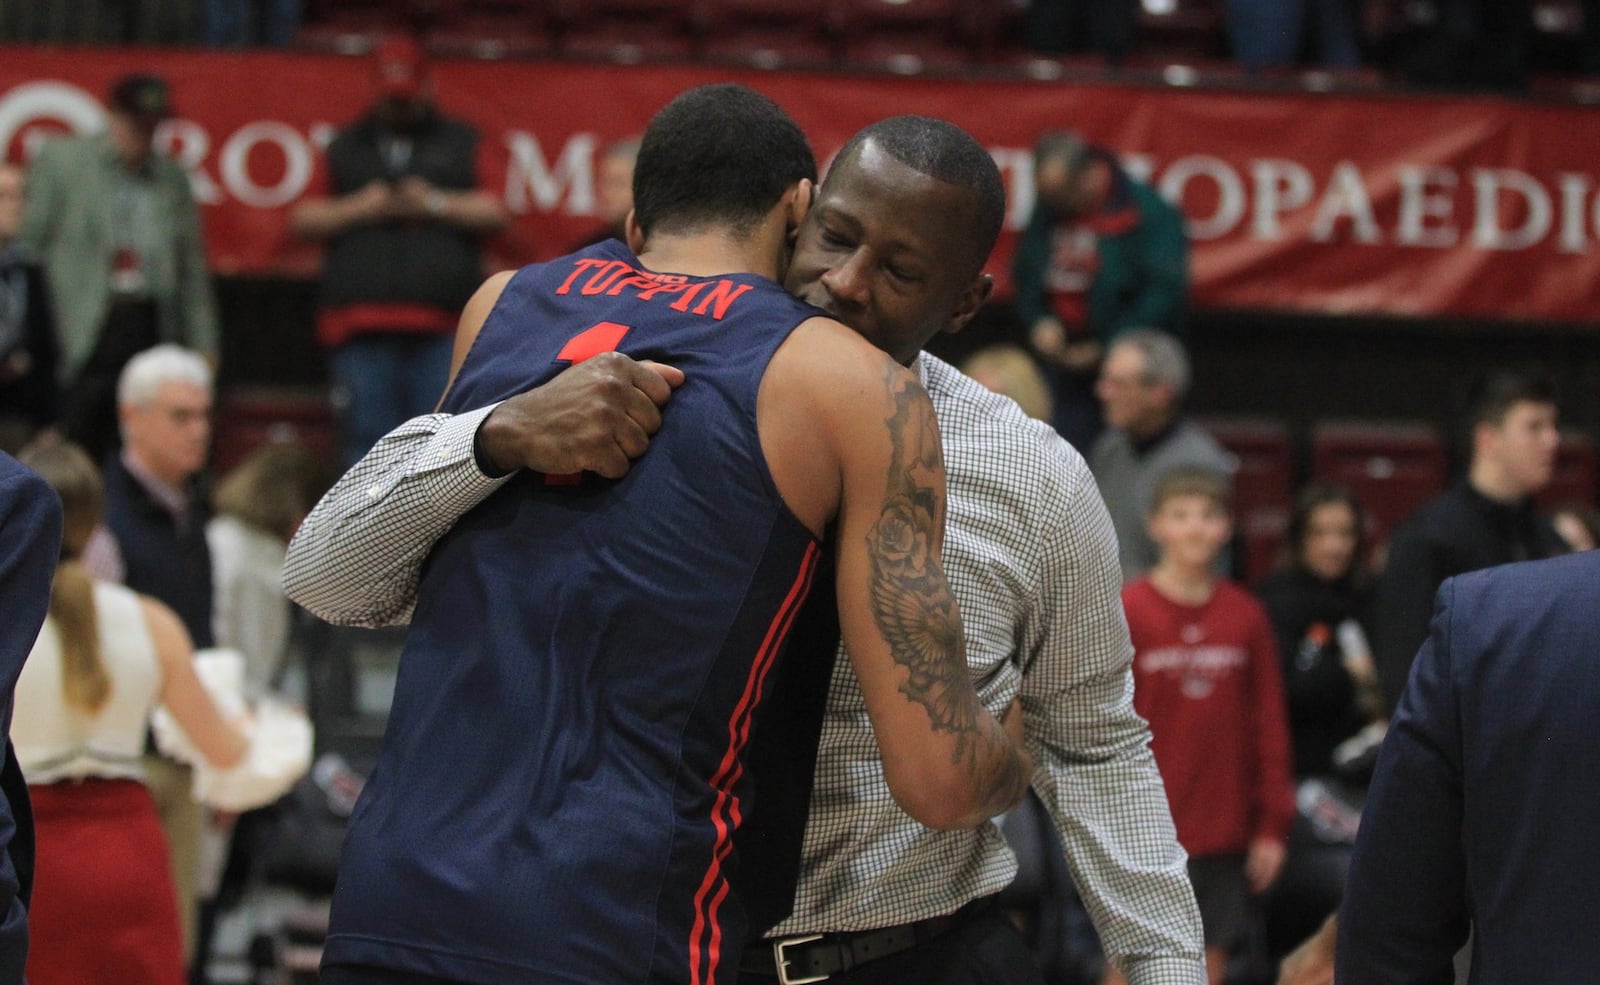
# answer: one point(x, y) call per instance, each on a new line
point(1206, 677)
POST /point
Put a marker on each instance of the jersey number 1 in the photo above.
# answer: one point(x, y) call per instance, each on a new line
point(601, 337)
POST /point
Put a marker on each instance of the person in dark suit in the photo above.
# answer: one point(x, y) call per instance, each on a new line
point(30, 540)
point(1480, 816)
point(28, 348)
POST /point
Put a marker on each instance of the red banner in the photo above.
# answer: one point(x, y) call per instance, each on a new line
point(1475, 207)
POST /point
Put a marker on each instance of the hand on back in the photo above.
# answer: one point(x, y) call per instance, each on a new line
point(596, 416)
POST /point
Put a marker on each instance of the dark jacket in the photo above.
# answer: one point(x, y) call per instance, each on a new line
point(30, 543)
point(28, 388)
point(1143, 277)
point(161, 558)
point(1481, 812)
point(1306, 613)
point(426, 263)
point(1458, 531)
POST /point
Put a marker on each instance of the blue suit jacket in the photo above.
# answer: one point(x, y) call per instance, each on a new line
point(30, 542)
point(1485, 808)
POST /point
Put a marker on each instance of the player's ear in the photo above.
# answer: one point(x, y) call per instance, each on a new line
point(635, 235)
point(798, 201)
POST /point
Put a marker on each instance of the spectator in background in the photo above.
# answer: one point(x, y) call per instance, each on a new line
point(404, 219)
point(118, 232)
point(1486, 519)
point(156, 510)
point(1102, 254)
point(156, 506)
point(1319, 606)
point(1011, 372)
point(1481, 813)
point(105, 659)
point(1141, 386)
point(30, 546)
point(107, 656)
point(615, 180)
point(1274, 33)
point(1206, 677)
point(259, 506)
point(28, 347)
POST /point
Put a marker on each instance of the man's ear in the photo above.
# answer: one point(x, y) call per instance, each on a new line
point(635, 235)
point(798, 201)
point(967, 305)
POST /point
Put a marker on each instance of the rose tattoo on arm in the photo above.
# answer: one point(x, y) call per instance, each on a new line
point(911, 601)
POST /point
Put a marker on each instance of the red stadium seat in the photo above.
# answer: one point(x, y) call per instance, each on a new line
point(1180, 30)
point(1575, 475)
point(249, 417)
point(1263, 535)
point(353, 27)
point(907, 37)
point(1392, 466)
point(489, 28)
point(1265, 450)
point(1263, 486)
point(626, 31)
point(769, 33)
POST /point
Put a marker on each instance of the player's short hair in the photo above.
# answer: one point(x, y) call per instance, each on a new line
point(947, 153)
point(717, 155)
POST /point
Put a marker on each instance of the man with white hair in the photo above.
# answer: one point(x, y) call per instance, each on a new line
point(157, 513)
point(1141, 385)
point(153, 506)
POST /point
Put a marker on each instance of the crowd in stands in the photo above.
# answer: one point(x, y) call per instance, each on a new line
point(1267, 666)
point(1462, 44)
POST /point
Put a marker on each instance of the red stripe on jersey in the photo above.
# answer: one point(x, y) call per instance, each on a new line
point(705, 943)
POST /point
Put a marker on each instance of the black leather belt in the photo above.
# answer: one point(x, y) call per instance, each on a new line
point(817, 957)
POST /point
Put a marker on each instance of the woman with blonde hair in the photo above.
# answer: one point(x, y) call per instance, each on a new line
point(1010, 371)
point(103, 907)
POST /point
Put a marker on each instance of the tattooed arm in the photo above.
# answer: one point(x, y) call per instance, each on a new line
point(948, 762)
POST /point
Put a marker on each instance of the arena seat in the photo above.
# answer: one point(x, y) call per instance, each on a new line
point(489, 28)
point(625, 31)
point(353, 27)
point(1179, 31)
point(249, 417)
point(769, 33)
point(907, 37)
point(1392, 466)
point(1263, 486)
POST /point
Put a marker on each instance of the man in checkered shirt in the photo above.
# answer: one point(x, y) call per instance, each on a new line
point(1028, 549)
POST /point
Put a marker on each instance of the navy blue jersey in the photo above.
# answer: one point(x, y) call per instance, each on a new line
point(565, 763)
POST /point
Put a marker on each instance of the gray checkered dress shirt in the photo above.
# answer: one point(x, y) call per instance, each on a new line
point(1033, 562)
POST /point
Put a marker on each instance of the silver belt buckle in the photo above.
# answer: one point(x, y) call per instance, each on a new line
point(783, 962)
